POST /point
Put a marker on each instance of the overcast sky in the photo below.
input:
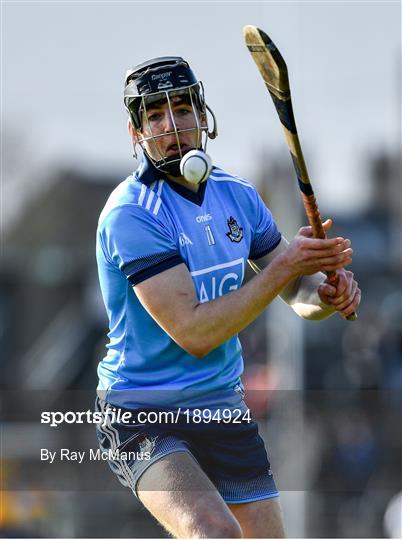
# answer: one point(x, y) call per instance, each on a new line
point(63, 65)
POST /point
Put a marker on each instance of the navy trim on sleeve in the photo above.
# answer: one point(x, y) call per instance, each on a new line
point(257, 255)
point(141, 263)
point(157, 268)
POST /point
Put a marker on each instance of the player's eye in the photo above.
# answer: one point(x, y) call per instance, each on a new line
point(154, 117)
point(183, 111)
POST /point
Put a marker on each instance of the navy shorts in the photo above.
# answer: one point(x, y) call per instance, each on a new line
point(232, 454)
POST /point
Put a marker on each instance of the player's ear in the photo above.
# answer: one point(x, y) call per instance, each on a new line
point(132, 131)
point(203, 120)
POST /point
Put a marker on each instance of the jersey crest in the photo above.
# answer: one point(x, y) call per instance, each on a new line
point(235, 233)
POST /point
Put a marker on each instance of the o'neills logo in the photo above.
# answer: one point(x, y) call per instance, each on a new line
point(204, 218)
point(161, 76)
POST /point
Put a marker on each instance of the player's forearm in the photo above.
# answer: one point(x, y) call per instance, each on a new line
point(199, 328)
point(213, 323)
point(303, 297)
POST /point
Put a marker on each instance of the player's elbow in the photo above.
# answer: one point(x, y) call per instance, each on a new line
point(193, 335)
point(195, 346)
point(312, 312)
point(196, 343)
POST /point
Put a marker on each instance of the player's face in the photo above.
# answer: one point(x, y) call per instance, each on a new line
point(158, 123)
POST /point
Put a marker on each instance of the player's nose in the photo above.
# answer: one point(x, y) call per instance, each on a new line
point(168, 121)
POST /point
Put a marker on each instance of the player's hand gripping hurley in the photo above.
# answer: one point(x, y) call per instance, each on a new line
point(274, 72)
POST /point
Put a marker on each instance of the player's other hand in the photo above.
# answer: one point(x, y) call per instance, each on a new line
point(306, 255)
point(345, 297)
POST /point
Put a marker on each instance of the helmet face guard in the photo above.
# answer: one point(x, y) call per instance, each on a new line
point(167, 80)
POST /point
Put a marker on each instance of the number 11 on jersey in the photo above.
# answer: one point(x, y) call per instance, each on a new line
point(210, 236)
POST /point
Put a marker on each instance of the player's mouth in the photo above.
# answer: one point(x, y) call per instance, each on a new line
point(173, 149)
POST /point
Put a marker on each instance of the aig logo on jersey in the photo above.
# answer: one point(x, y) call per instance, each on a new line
point(218, 280)
point(235, 233)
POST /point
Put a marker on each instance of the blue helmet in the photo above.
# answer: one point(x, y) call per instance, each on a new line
point(161, 79)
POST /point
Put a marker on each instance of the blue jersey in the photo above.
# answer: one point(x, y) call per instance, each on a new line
point(150, 224)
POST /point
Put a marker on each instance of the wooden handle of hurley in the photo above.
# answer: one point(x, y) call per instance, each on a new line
point(314, 218)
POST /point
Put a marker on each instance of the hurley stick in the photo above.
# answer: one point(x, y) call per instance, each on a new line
point(274, 72)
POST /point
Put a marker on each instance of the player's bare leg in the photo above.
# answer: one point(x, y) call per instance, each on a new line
point(260, 519)
point(182, 498)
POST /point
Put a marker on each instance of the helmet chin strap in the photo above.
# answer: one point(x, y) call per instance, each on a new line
point(170, 165)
